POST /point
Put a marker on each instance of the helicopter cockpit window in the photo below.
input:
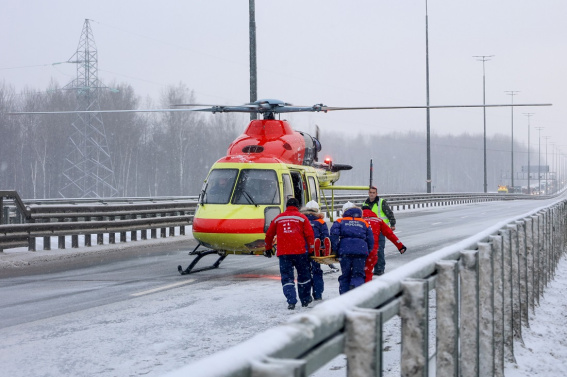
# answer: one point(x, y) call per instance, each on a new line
point(219, 186)
point(257, 187)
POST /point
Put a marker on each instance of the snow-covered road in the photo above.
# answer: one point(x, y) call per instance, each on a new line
point(136, 316)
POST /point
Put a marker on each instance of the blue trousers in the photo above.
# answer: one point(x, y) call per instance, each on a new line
point(301, 263)
point(317, 276)
point(381, 265)
point(352, 267)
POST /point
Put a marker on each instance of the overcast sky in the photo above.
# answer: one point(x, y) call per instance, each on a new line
point(356, 53)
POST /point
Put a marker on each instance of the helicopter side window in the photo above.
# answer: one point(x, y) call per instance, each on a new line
point(287, 187)
point(219, 186)
point(313, 189)
point(257, 187)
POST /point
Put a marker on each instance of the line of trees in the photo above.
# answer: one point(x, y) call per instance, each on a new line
point(163, 154)
point(155, 154)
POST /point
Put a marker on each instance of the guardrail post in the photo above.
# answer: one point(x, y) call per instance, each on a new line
point(123, 234)
point(486, 309)
point(172, 228)
point(516, 305)
point(144, 233)
point(88, 240)
point(61, 242)
point(523, 272)
point(133, 233)
point(469, 313)
point(46, 243)
point(498, 289)
point(545, 254)
point(31, 243)
point(182, 228)
point(162, 231)
point(555, 238)
point(537, 257)
point(414, 312)
point(153, 232)
point(447, 330)
point(508, 287)
point(100, 236)
point(112, 238)
point(530, 262)
point(75, 237)
point(363, 344)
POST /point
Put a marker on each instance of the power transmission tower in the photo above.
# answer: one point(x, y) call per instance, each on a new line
point(88, 168)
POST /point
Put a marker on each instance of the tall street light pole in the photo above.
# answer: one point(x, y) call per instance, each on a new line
point(253, 71)
point(529, 116)
point(427, 101)
point(483, 59)
point(512, 93)
point(547, 166)
point(539, 161)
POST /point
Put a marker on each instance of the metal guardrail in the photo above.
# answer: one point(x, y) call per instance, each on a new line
point(73, 217)
point(104, 217)
point(484, 289)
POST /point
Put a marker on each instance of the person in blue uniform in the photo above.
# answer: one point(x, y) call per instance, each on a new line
point(352, 239)
point(320, 231)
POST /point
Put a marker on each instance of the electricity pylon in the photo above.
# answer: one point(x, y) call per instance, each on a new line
point(88, 168)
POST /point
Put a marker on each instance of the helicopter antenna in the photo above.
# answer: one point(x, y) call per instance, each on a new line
point(371, 172)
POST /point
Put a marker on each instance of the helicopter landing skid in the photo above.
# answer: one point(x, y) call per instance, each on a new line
point(200, 254)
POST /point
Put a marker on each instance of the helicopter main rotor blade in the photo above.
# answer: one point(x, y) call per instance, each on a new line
point(271, 107)
point(103, 111)
point(330, 108)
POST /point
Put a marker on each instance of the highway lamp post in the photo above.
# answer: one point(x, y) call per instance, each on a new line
point(252, 45)
point(529, 187)
point(483, 59)
point(512, 93)
point(428, 179)
point(539, 161)
point(547, 166)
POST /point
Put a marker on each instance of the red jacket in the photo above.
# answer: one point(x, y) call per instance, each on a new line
point(293, 230)
point(378, 226)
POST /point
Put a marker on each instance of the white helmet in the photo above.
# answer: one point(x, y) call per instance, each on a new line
point(312, 205)
point(348, 205)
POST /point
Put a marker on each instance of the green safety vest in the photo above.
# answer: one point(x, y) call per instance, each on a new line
point(377, 209)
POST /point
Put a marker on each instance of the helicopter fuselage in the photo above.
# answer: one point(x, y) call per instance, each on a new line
point(245, 190)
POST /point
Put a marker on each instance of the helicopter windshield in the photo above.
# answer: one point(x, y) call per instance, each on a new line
point(257, 186)
point(219, 186)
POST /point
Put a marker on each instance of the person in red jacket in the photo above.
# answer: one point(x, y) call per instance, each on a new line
point(378, 227)
point(293, 230)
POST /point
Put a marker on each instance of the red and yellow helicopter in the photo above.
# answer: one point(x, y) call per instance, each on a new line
point(245, 190)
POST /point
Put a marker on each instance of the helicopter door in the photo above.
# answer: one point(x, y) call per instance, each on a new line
point(298, 187)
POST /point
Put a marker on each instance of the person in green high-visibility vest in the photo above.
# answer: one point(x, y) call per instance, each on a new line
point(381, 208)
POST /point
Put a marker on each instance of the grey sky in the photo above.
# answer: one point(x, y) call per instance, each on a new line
point(339, 53)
